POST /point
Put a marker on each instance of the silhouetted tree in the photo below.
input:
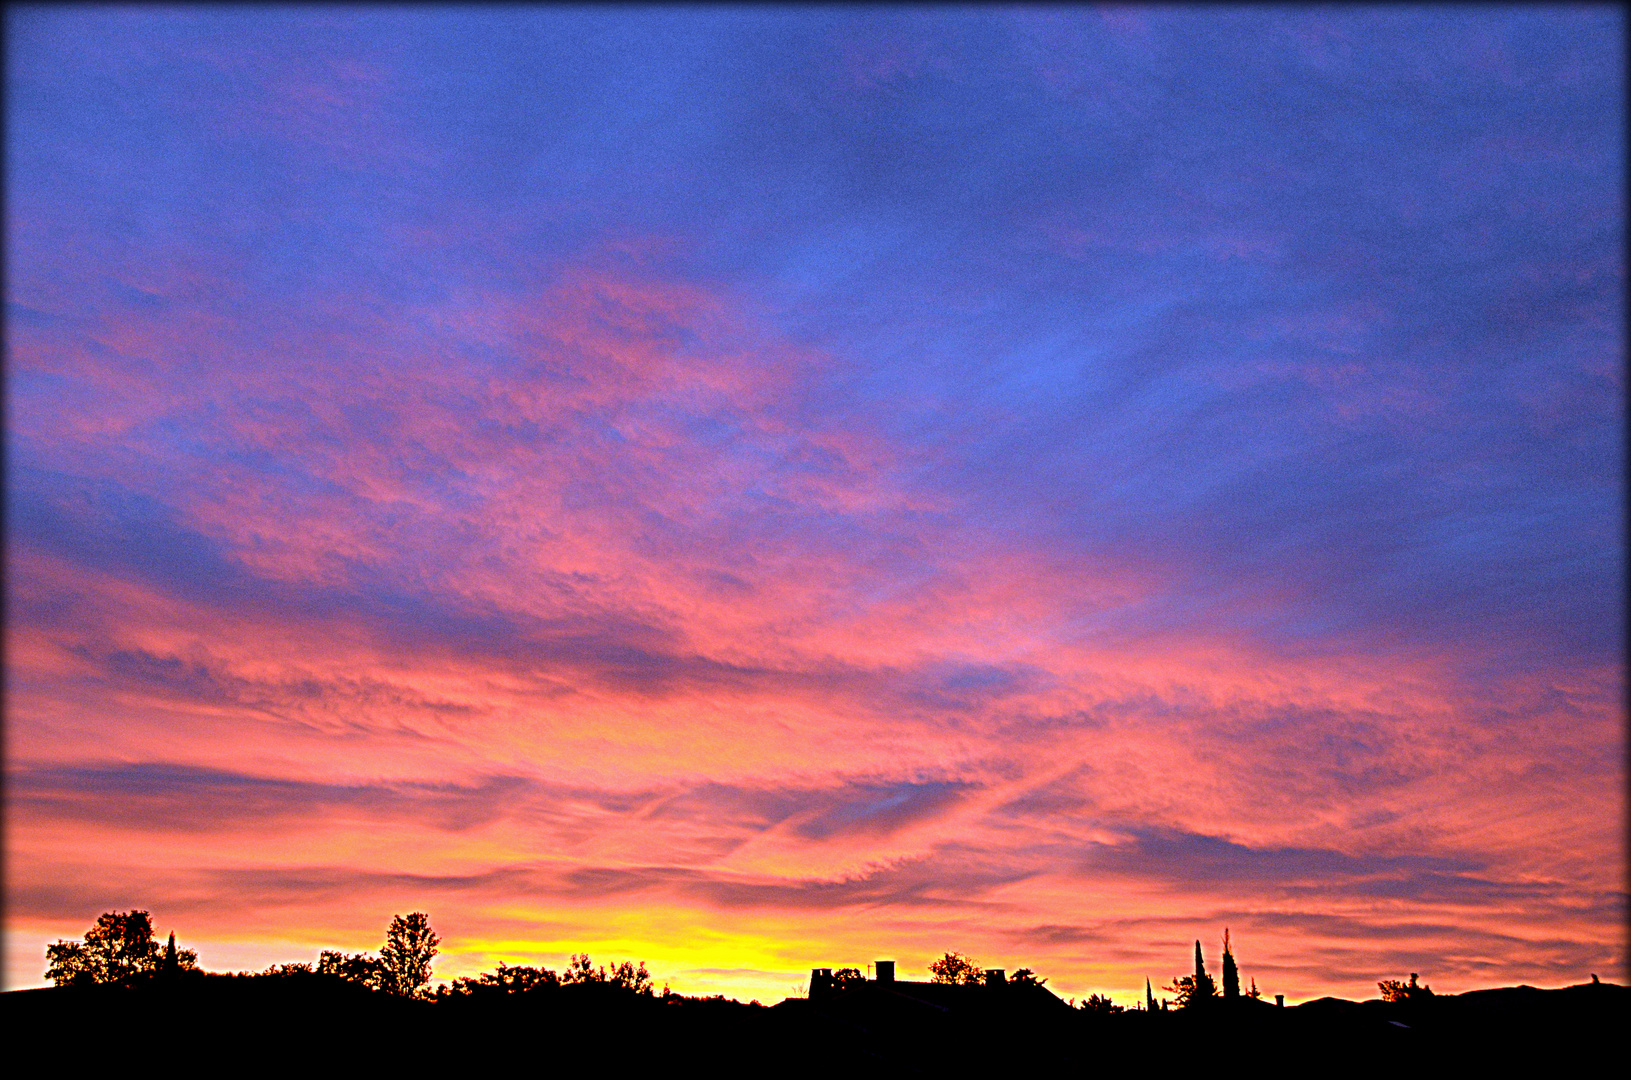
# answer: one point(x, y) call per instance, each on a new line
point(1231, 975)
point(1193, 990)
point(1025, 977)
point(1100, 1003)
point(954, 969)
point(630, 977)
point(1184, 989)
point(1254, 993)
point(284, 971)
point(119, 945)
point(1394, 990)
point(844, 978)
point(410, 945)
point(1149, 997)
point(579, 969)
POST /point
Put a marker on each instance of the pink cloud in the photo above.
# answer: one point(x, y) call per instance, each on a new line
point(602, 639)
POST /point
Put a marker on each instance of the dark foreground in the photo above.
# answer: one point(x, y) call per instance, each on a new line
point(235, 1024)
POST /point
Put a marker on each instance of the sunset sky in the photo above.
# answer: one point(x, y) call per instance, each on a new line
point(749, 489)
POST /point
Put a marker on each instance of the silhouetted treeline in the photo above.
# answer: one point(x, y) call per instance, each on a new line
point(121, 947)
point(580, 971)
point(355, 1012)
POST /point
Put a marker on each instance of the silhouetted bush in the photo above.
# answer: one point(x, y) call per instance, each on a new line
point(352, 967)
point(1196, 989)
point(625, 976)
point(506, 980)
point(1394, 990)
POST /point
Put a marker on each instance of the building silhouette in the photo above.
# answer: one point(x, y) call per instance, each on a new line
point(885, 995)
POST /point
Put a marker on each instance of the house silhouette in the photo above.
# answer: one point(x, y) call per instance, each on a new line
point(886, 996)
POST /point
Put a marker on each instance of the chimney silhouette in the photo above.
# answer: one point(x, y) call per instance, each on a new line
point(995, 977)
point(820, 983)
point(886, 970)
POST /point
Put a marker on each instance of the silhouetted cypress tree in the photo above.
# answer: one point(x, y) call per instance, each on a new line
point(1149, 997)
point(1203, 988)
point(1231, 976)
